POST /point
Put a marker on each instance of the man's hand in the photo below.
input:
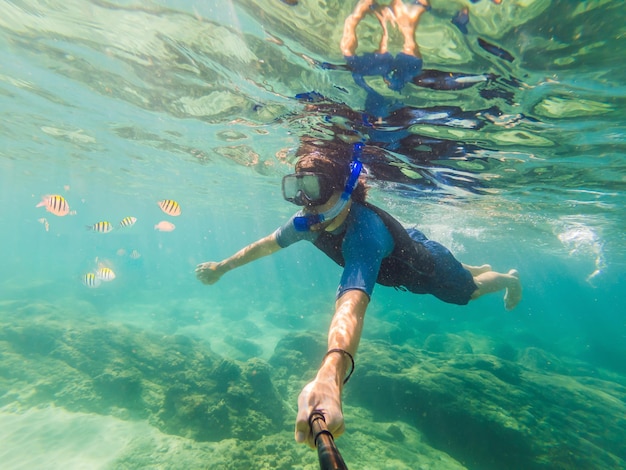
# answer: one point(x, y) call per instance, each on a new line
point(324, 396)
point(209, 272)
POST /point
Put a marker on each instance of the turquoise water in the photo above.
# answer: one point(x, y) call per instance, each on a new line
point(119, 105)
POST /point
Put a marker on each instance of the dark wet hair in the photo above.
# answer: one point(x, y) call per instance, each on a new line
point(331, 159)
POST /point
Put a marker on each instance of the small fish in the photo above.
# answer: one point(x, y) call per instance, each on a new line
point(461, 20)
point(170, 207)
point(105, 274)
point(45, 223)
point(134, 255)
point(55, 204)
point(91, 280)
point(495, 50)
point(128, 222)
point(100, 227)
point(164, 226)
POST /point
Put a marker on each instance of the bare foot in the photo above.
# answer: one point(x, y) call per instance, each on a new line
point(513, 293)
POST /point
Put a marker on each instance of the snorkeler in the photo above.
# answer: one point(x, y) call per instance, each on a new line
point(370, 244)
point(373, 248)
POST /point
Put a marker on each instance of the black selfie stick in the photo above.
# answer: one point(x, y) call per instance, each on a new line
point(327, 453)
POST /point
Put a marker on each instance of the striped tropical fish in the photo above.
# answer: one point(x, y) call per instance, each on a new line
point(101, 227)
point(128, 222)
point(105, 274)
point(170, 207)
point(165, 226)
point(55, 204)
point(91, 280)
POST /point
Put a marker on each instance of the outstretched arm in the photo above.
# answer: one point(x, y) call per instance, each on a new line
point(324, 392)
point(211, 271)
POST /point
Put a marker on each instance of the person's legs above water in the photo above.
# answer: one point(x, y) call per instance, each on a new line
point(406, 17)
point(407, 63)
point(349, 40)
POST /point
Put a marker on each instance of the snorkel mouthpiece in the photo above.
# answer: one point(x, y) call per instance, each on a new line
point(305, 222)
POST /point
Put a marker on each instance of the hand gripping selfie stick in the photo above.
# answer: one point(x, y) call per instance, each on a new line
point(327, 452)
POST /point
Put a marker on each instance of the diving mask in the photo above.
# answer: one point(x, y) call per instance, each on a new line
point(307, 189)
point(304, 223)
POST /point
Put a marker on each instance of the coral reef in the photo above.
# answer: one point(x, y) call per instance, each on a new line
point(176, 383)
point(491, 413)
point(443, 405)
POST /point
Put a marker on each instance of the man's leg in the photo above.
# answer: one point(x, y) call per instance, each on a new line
point(491, 281)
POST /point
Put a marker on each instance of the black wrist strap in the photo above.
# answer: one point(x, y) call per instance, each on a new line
point(342, 351)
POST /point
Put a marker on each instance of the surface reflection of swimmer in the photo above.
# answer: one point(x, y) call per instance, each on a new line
point(398, 70)
point(406, 66)
point(404, 156)
point(386, 123)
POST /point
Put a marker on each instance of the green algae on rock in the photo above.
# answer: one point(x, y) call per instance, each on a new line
point(175, 382)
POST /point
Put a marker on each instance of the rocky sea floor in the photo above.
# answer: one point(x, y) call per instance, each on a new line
point(85, 391)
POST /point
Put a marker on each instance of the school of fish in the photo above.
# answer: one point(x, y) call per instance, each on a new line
point(57, 205)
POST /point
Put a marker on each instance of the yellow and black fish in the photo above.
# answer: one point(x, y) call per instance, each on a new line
point(55, 204)
point(170, 207)
point(91, 280)
point(105, 274)
point(101, 227)
point(128, 222)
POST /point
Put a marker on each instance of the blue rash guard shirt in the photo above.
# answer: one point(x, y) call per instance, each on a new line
point(367, 241)
point(373, 247)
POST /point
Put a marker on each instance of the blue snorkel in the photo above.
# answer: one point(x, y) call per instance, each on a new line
point(304, 223)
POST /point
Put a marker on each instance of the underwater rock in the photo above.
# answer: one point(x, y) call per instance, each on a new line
point(504, 370)
point(225, 372)
point(29, 339)
point(490, 413)
point(119, 386)
point(540, 360)
point(395, 432)
point(447, 343)
point(177, 383)
point(505, 351)
point(299, 351)
point(400, 327)
point(193, 414)
point(477, 410)
point(246, 347)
